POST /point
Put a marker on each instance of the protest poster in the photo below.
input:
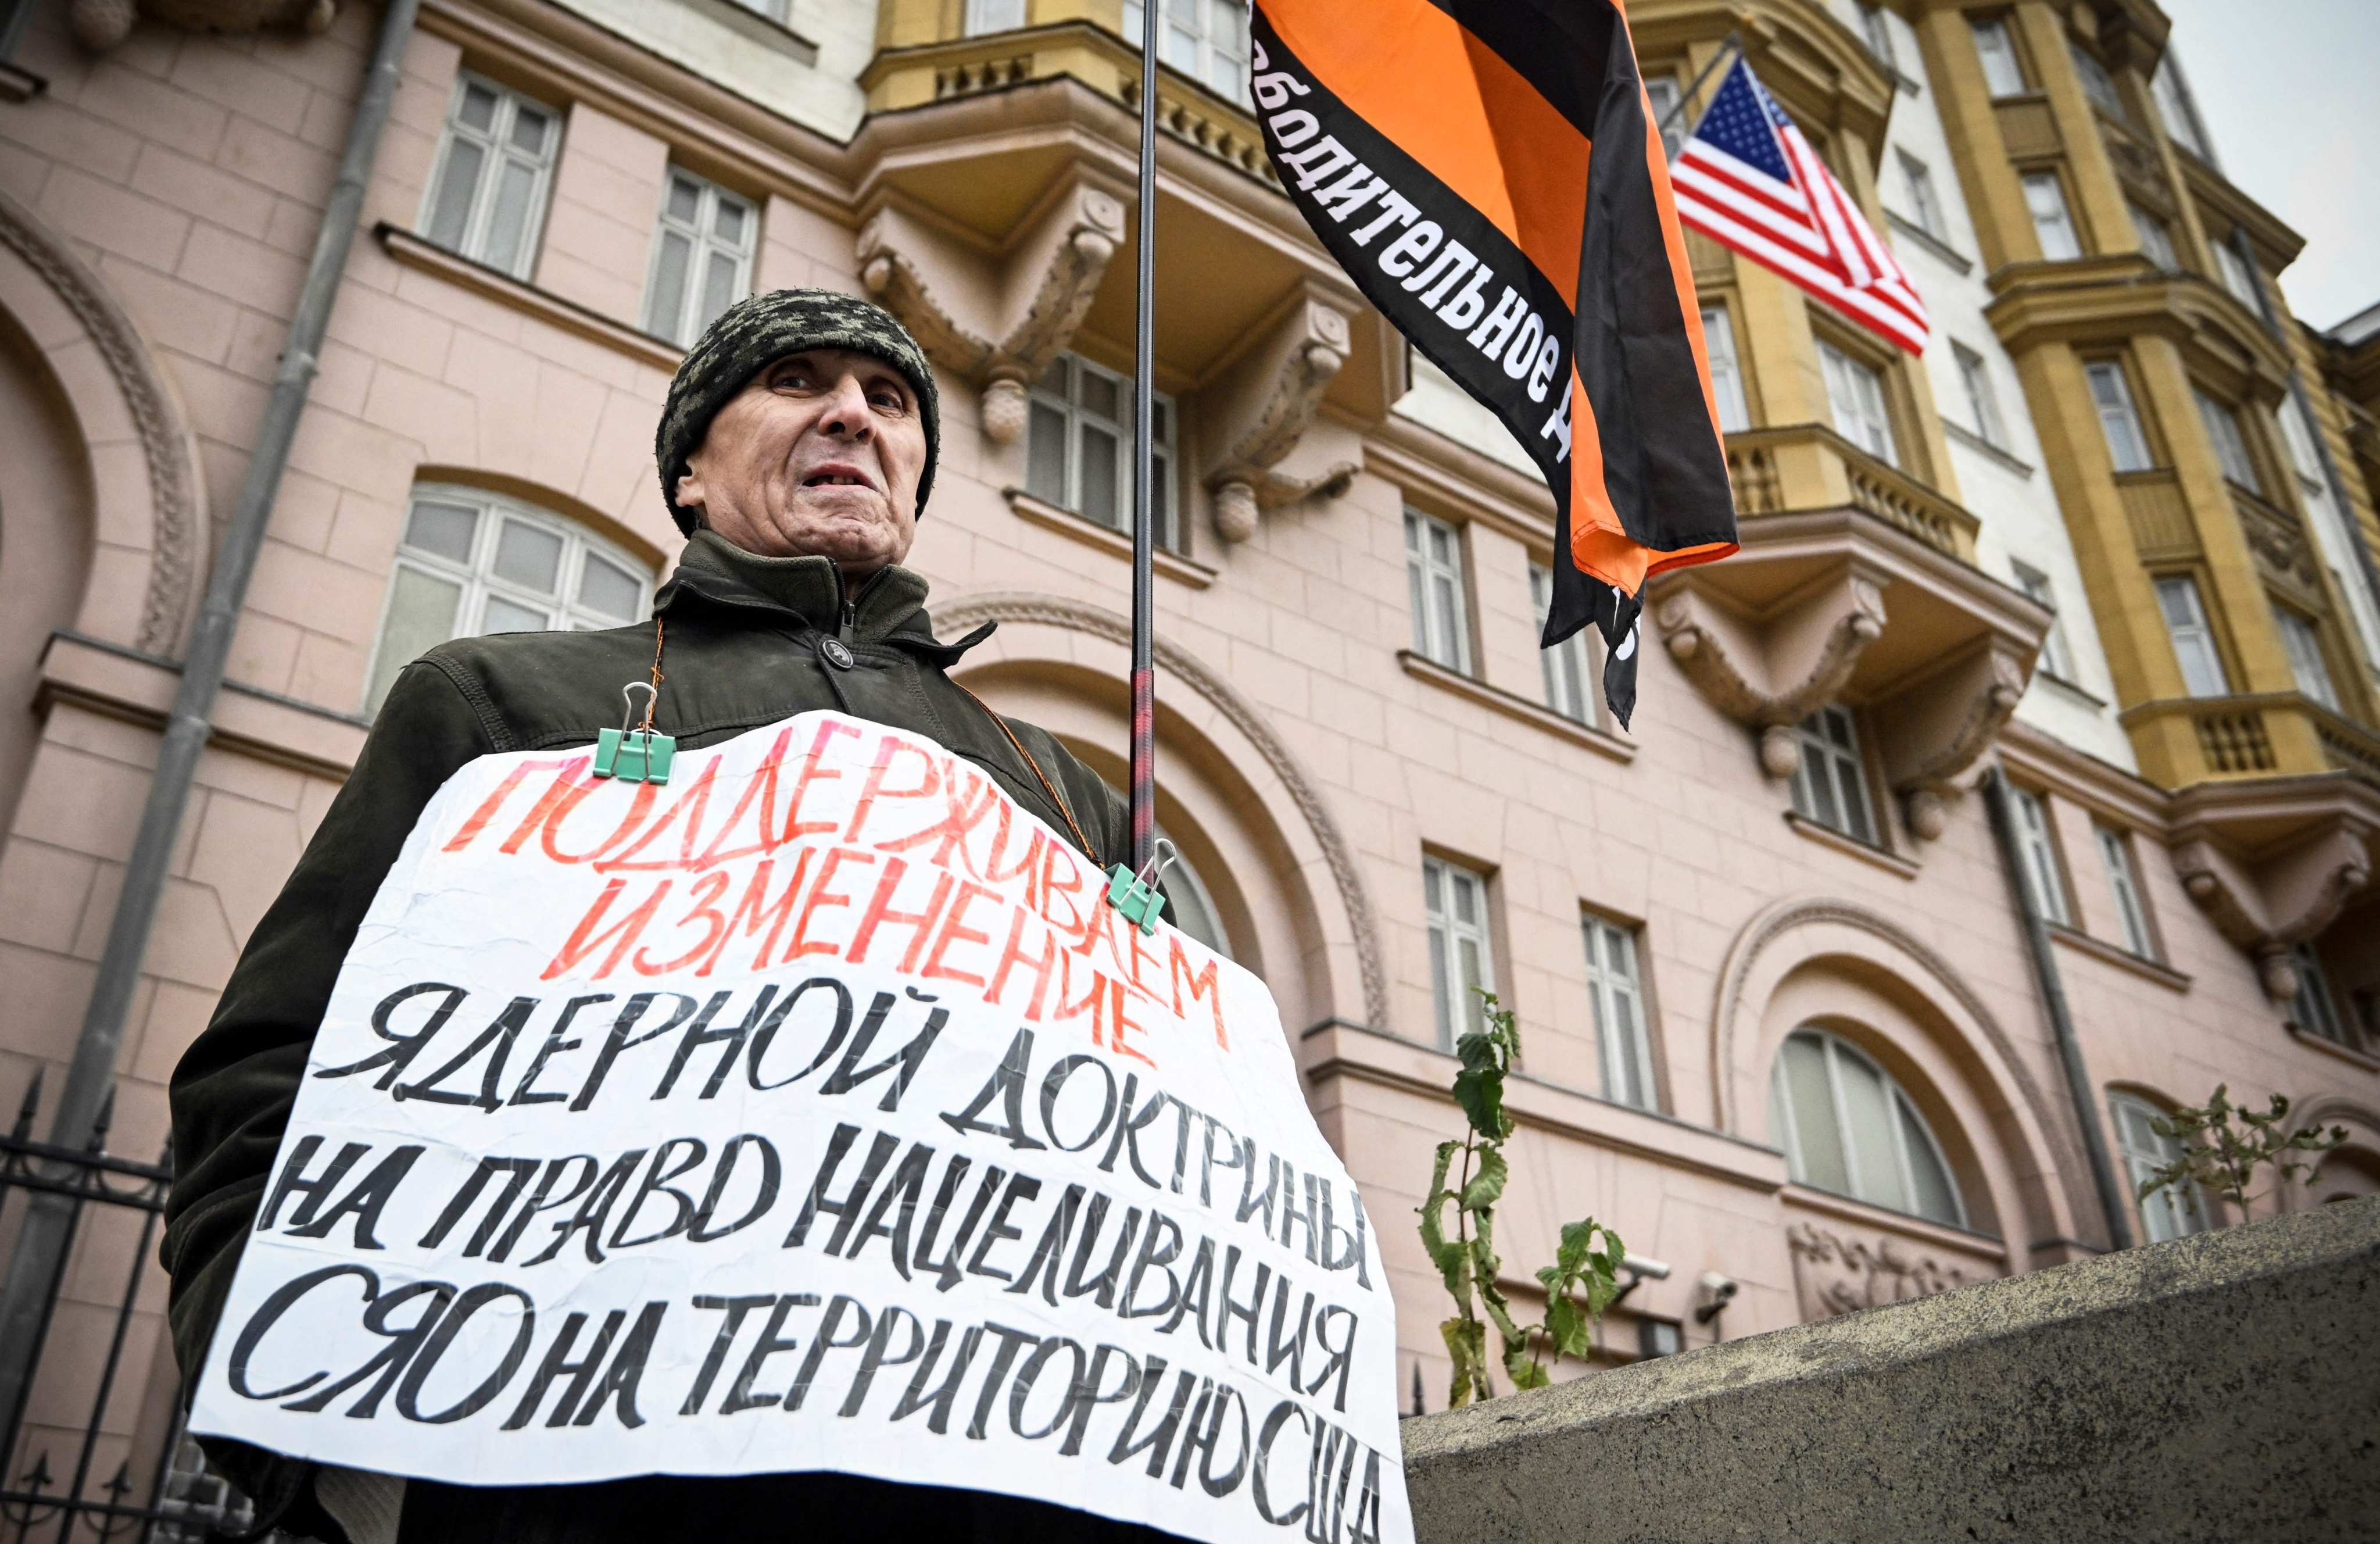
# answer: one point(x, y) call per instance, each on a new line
point(811, 1111)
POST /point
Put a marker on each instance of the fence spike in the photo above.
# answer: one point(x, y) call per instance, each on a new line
point(98, 1143)
point(23, 1130)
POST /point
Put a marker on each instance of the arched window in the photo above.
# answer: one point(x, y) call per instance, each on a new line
point(2178, 1210)
point(1847, 1127)
point(1191, 907)
point(474, 562)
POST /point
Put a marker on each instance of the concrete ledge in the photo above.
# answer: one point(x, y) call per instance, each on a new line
point(2223, 1387)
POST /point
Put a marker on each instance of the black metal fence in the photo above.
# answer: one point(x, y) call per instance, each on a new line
point(95, 1449)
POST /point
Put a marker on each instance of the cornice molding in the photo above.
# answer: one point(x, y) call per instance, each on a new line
point(1077, 616)
point(176, 496)
point(2109, 299)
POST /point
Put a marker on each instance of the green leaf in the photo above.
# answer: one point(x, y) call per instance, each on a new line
point(1444, 1253)
point(1480, 1093)
point(1570, 1330)
point(1466, 1342)
point(1488, 1185)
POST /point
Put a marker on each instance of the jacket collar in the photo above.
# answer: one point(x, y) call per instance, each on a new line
point(889, 606)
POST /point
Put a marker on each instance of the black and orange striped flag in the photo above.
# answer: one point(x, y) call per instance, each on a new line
point(1489, 174)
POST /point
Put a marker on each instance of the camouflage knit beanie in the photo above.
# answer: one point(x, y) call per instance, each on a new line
point(761, 328)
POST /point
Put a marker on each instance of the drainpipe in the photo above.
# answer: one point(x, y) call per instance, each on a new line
point(2079, 1087)
point(33, 1268)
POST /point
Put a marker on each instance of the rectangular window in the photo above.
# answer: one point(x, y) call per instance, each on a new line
point(1924, 202)
point(1454, 901)
point(1661, 103)
point(1570, 679)
point(2057, 658)
point(487, 194)
point(1830, 783)
point(1983, 402)
point(2180, 113)
point(1875, 30)
point(2193, 639)
point(702, 257)
point(2131, 908)
point(1206, 40)
point(2238, 274)
point(2315, 1007)
point(1623, 1045)
point(1727, 376)
point(2156, 241)
point(2175, 1211)
point(1855, 392)
point(2044, 197)
point(1441, 631)
point(1006, 16)
point(2126, 446)
point(2231, 445)
point(2039, 848)
point(1079, 443)
point(2002, 75)
point(2097, 84)
point(2302, 640)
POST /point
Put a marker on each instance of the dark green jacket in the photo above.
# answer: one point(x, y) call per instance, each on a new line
point(750, 641)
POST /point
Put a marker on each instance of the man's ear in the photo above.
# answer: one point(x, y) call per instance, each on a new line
point(690, 492)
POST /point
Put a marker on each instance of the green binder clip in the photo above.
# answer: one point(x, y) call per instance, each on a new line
point(1135, 894)
point(635, 755)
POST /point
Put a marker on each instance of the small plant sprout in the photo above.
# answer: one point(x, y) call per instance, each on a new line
point(2224, 1144)
point(1579, 1286)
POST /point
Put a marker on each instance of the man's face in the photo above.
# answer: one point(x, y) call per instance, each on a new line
point(820, 453)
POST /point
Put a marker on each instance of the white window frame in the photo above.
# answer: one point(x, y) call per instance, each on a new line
point(2194, 637)
point(1996, 50)
point(1924, 199)
point(1057, 401)
point(703, 243)
point(2180, 109)
point(1568, 669)
point(1661, 93)
point(1458, 1008)
point(1727, 373)
point(995, 16)
point(2056, 653)
point(2119, 420)
point(2315, 1008)
point(1436, 588)
point(2231, 443)
point(2098, 83)
point(2053, 219)
point(2176, 1211)
point(1875, 30)
point(2331, 535)
point(1856, 398)
point(2155, 238)
point(2124, 880)
point(477, 583)
point(1834, 764)
point(1191, 47)
point(1983, 397)
point(498, 153)
point(2037, 843)
point(2301, 640)
point(1905, 1114)
point(2239, 274)
point(1615, 991)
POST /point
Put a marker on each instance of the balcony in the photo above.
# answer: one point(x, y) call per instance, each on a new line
point(1855, 582)
point(1809, 466)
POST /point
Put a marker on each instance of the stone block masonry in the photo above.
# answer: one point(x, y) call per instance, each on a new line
point(2220, 1387)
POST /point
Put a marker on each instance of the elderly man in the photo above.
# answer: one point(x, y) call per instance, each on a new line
point(796, 451)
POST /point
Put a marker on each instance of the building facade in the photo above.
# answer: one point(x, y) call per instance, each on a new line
point(2107, 545)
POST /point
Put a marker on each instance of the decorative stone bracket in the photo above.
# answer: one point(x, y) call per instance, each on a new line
point(997, 324)
point(1837, 603)
point(2265, 902)
point(1258, 414)
point(100, 25)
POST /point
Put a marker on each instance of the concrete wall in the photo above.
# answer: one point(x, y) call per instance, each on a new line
point(2226, 1386)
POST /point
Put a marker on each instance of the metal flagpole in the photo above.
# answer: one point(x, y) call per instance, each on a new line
point(1144, 533)
point(1729, 49)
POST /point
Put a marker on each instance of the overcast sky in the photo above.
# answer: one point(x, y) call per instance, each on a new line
point(2287, 88)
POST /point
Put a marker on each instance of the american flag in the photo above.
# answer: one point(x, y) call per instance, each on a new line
point(1749, 180)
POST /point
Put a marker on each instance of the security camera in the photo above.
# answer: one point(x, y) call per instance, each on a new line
point(1635, 1270)
point(1714, 1289)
